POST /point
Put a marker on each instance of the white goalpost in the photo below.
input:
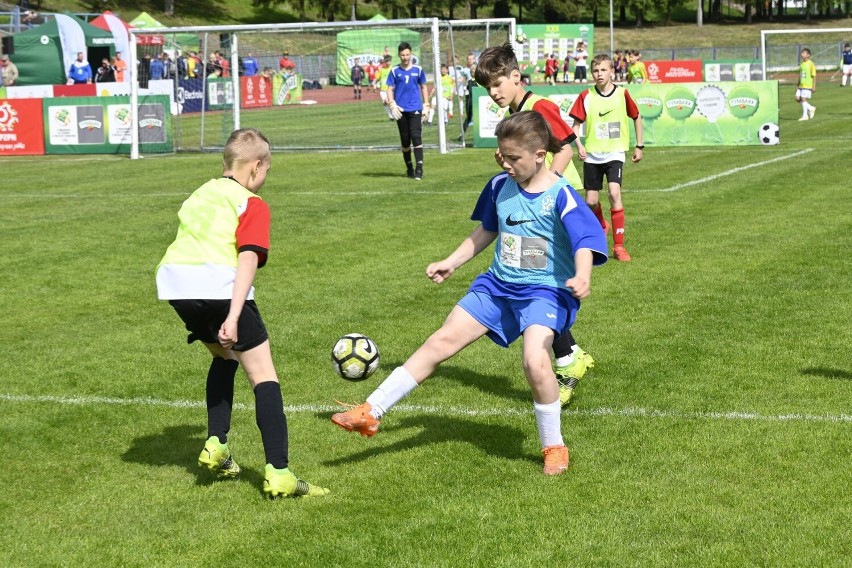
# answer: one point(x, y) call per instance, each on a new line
point(309, 105)
point(784, 57)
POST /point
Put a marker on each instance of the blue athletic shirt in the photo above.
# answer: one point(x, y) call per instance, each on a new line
point(538, 235)
point(847, 57)
point(406, 87)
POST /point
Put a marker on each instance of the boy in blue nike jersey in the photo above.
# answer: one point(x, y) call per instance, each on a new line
point(547, 241)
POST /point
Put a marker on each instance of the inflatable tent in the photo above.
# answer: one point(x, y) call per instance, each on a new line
point(44, 54)
point(370, 46)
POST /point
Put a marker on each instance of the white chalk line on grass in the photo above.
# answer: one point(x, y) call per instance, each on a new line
point(725, 173)
point(628, 412)
point(464, 193)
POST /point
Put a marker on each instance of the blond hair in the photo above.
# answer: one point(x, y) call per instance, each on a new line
point(244, 146)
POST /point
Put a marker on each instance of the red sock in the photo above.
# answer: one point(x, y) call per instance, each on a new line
point(599, 214)
point(617, 226)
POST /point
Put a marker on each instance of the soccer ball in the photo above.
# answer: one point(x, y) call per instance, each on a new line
point(521, 37)
point(769, 134)
point(355, 357)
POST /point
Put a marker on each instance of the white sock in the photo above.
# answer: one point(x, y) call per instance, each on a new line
point(548, 419)
point(805, 106)
point(392, 390)
point(843, 80)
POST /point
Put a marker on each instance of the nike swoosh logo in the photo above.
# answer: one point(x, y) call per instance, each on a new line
point(512, 223)
point(604, 113)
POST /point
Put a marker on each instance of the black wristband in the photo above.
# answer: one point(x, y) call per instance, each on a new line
point(640, 146)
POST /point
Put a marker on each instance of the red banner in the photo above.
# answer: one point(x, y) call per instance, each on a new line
point(255, 92)
point(691, 71)
point(83, 90)
point(21, 127)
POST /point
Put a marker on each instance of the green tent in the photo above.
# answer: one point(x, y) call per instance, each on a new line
point(43, 54)
point(145, 21)
point(369, 45)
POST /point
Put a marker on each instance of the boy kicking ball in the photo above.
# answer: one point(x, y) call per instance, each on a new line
point(206, 275)
point(546, 243)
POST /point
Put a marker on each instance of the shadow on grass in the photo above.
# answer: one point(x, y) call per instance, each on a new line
point(499, 385)
point(828, 373)
point(493, 440)
point(179, 445)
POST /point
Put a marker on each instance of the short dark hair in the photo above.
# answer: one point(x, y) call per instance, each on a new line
point(403, 46)
point(495, 62)
point(530, 129)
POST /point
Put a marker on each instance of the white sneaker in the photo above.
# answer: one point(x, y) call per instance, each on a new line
point(806, 117)
point(811, 112)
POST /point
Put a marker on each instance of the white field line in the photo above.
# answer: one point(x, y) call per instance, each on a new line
point(628, 412)
point(725, 173)
point(464, 193)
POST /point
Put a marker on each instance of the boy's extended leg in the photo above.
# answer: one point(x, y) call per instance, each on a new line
point(459, 330)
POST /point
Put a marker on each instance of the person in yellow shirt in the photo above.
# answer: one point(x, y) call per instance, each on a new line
point(807, 85)
point(636, 72)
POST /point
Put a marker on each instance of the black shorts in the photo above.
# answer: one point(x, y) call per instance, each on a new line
point(593, 174)
point(203, 318)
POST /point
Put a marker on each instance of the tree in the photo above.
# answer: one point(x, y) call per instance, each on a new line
point(169, 8)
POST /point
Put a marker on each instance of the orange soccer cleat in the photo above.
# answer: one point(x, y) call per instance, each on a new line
point(621, 254)
point(358, 419)
point(555, 459)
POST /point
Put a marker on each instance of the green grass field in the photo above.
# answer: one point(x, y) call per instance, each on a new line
point(714, 431)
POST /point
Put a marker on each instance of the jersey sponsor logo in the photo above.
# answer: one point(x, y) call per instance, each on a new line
point(512, 222)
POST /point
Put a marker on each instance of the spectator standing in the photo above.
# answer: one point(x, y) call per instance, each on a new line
point(80, 72)
point(250, 66)
point(156, 68)
point(285, 63)
point(168, 67)
point(566, 69)
point(105, 73)
point(119, 65)
point(9, 71)
point(581, 63)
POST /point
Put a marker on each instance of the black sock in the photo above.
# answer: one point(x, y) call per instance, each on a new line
point(564, 344)
point(269, 411)
point(418, 157)
point(220, 397)
point(407, 157)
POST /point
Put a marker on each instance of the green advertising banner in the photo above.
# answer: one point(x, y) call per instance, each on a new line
point(101, 125)
point(673, 114)
point(286, 89)
point(732, 70)
point(540, 40)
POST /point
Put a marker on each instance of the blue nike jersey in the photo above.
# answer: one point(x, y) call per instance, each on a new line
point(537, 234)
point(406, 87)
point(847, 57)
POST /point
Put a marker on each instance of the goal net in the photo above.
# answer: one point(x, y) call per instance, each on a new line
point(780, 50)
point(294, 81)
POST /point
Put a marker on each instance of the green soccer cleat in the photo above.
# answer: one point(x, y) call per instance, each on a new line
point(282, 483)
point(569, 375)
point(217, 458)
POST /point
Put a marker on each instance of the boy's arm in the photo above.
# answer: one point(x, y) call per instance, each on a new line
point(580, 283)
point(247, 262)
point(478, 240)
point(637, 151)
point(561, 159)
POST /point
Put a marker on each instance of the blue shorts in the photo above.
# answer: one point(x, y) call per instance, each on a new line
point(507, 318)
